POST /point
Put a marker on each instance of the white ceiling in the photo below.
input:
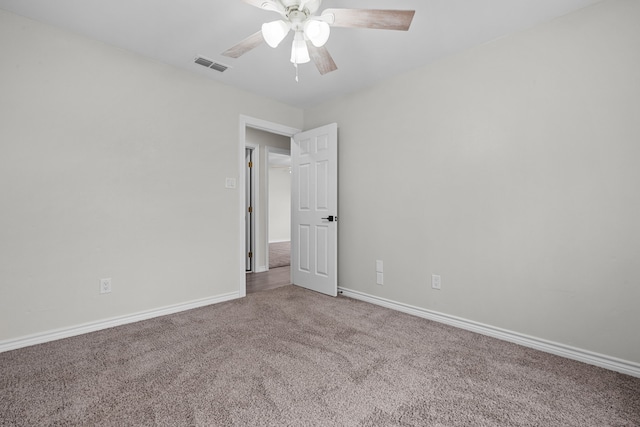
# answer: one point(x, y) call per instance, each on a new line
point(176, 31)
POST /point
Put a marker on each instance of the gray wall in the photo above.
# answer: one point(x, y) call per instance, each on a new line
point(112, 165)
point(279, 204)
point(511, 170)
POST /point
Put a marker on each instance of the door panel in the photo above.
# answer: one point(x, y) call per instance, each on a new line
point(304, 248)
point(304, 188)
point(322, 254)
point(314, 160)
point(322, 178)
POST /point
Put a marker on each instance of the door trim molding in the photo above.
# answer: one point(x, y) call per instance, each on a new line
point(569, 352)
point(267, 126)
point(255, 201)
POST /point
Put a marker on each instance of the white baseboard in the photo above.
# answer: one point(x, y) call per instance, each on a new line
point(261, 269)
point(601, 360)
point(57, 334)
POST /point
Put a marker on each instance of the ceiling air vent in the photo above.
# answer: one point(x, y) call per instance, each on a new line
point(210, 64)
point(218, 67)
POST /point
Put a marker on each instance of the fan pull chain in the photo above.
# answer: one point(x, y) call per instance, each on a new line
point(296, 65)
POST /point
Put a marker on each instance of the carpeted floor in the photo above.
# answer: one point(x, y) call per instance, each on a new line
point(297, 358)
point(279, 254)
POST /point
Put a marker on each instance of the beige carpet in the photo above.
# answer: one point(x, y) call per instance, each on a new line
point(279, 254)
point(296, 358)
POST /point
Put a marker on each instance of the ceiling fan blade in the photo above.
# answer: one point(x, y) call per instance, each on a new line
point(322, 58)
point(371, 18)
point(244, 46)
point(258, 3)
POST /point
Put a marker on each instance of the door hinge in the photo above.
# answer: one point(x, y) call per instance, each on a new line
point(250, 209)
point(250, 164)
point(250, 254)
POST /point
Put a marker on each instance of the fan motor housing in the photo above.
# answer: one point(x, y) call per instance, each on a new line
point(311, 6)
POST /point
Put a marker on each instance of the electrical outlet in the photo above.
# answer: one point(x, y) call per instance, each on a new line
point(105, 286)
point(436, 282)
point(379, 266)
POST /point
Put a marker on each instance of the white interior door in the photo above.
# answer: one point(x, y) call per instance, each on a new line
point(314, 209)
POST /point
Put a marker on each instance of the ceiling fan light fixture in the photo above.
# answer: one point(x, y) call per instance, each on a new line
point(317, 31)
point(274, 32)
point(299, 50)
point(328, 17)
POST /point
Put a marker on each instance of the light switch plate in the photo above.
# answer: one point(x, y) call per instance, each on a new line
point(379, 266)
point(105, 285)
point(436, 282)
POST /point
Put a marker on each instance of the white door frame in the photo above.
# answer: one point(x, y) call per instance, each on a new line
point(246, 121)
point(254, 185)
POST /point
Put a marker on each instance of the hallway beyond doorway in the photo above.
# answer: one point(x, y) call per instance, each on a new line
point(274, 278)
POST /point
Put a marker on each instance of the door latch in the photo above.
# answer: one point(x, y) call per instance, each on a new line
point(331, 218)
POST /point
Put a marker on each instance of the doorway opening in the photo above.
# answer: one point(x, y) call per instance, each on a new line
point(259, 211)
point(314, 203)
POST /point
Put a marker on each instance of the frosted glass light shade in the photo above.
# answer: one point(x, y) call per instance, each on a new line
point(299, 51)
point(274, 32)
point(317, 31)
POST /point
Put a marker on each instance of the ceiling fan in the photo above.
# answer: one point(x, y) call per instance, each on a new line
point(312, 31)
